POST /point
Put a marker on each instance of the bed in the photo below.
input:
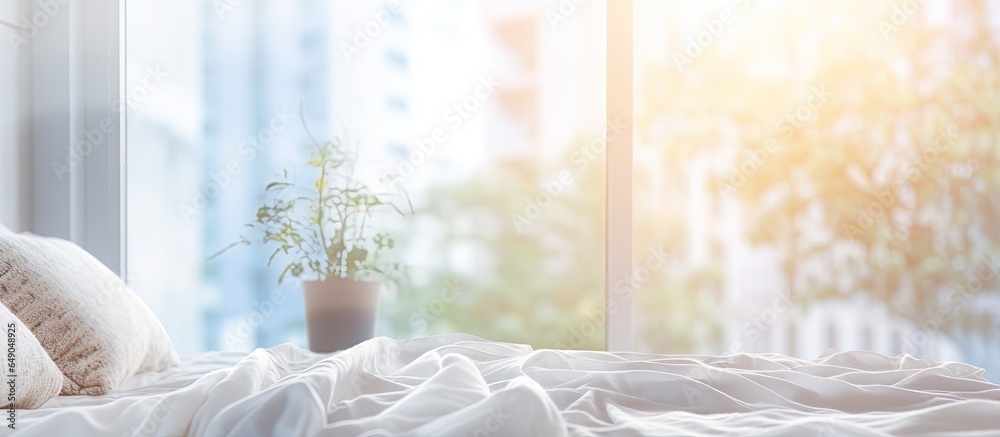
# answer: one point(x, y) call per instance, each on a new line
point(460, 385)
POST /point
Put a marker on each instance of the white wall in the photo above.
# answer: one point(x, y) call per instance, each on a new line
point(15, 159)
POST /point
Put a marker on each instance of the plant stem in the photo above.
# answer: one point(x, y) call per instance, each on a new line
point(322, 218)
point(320, 189)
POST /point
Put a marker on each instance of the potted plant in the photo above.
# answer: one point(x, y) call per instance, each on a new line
point(324, 236)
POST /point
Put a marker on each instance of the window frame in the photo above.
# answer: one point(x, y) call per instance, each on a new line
point(618, 197)
point(77, 86)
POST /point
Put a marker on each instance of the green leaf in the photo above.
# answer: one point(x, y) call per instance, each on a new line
point(271, 259)
point(277, 185)
point(281, 278)
point(356, 256)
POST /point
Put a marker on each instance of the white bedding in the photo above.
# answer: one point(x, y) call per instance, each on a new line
point(459, 385)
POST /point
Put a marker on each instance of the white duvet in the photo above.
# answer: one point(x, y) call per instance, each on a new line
point(459, 385)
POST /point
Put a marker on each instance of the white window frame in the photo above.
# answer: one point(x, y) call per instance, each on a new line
point(79, 80)
point(618, 231)
point(78, 71)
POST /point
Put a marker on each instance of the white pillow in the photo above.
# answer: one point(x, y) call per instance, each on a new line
point(91, 324)
point(5, 230)
point(37, 378)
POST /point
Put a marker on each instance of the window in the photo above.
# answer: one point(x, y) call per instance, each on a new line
point(792, 179)
point(817, 183)
point(489, 115)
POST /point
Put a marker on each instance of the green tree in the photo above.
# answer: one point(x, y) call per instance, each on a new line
point(883, 190)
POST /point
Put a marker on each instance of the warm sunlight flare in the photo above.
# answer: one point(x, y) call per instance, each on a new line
point(824, 174)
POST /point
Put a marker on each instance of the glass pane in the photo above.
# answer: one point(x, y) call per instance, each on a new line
point(823, 175)
point(487, 115)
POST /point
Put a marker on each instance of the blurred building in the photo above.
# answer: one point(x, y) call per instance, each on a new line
point(263, 62)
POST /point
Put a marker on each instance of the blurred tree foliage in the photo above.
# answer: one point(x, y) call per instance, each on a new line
point(535, 285)
point(542, 284)
point(887, 189)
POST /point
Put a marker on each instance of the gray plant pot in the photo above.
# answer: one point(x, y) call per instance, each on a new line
point(340, 313)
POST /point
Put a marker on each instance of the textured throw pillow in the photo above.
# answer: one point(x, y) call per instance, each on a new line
point(30, 378)
point(91, 324)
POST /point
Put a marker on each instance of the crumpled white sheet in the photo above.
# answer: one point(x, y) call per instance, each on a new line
point(460, 385)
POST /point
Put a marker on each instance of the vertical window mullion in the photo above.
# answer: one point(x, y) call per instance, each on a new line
point(618, 232)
